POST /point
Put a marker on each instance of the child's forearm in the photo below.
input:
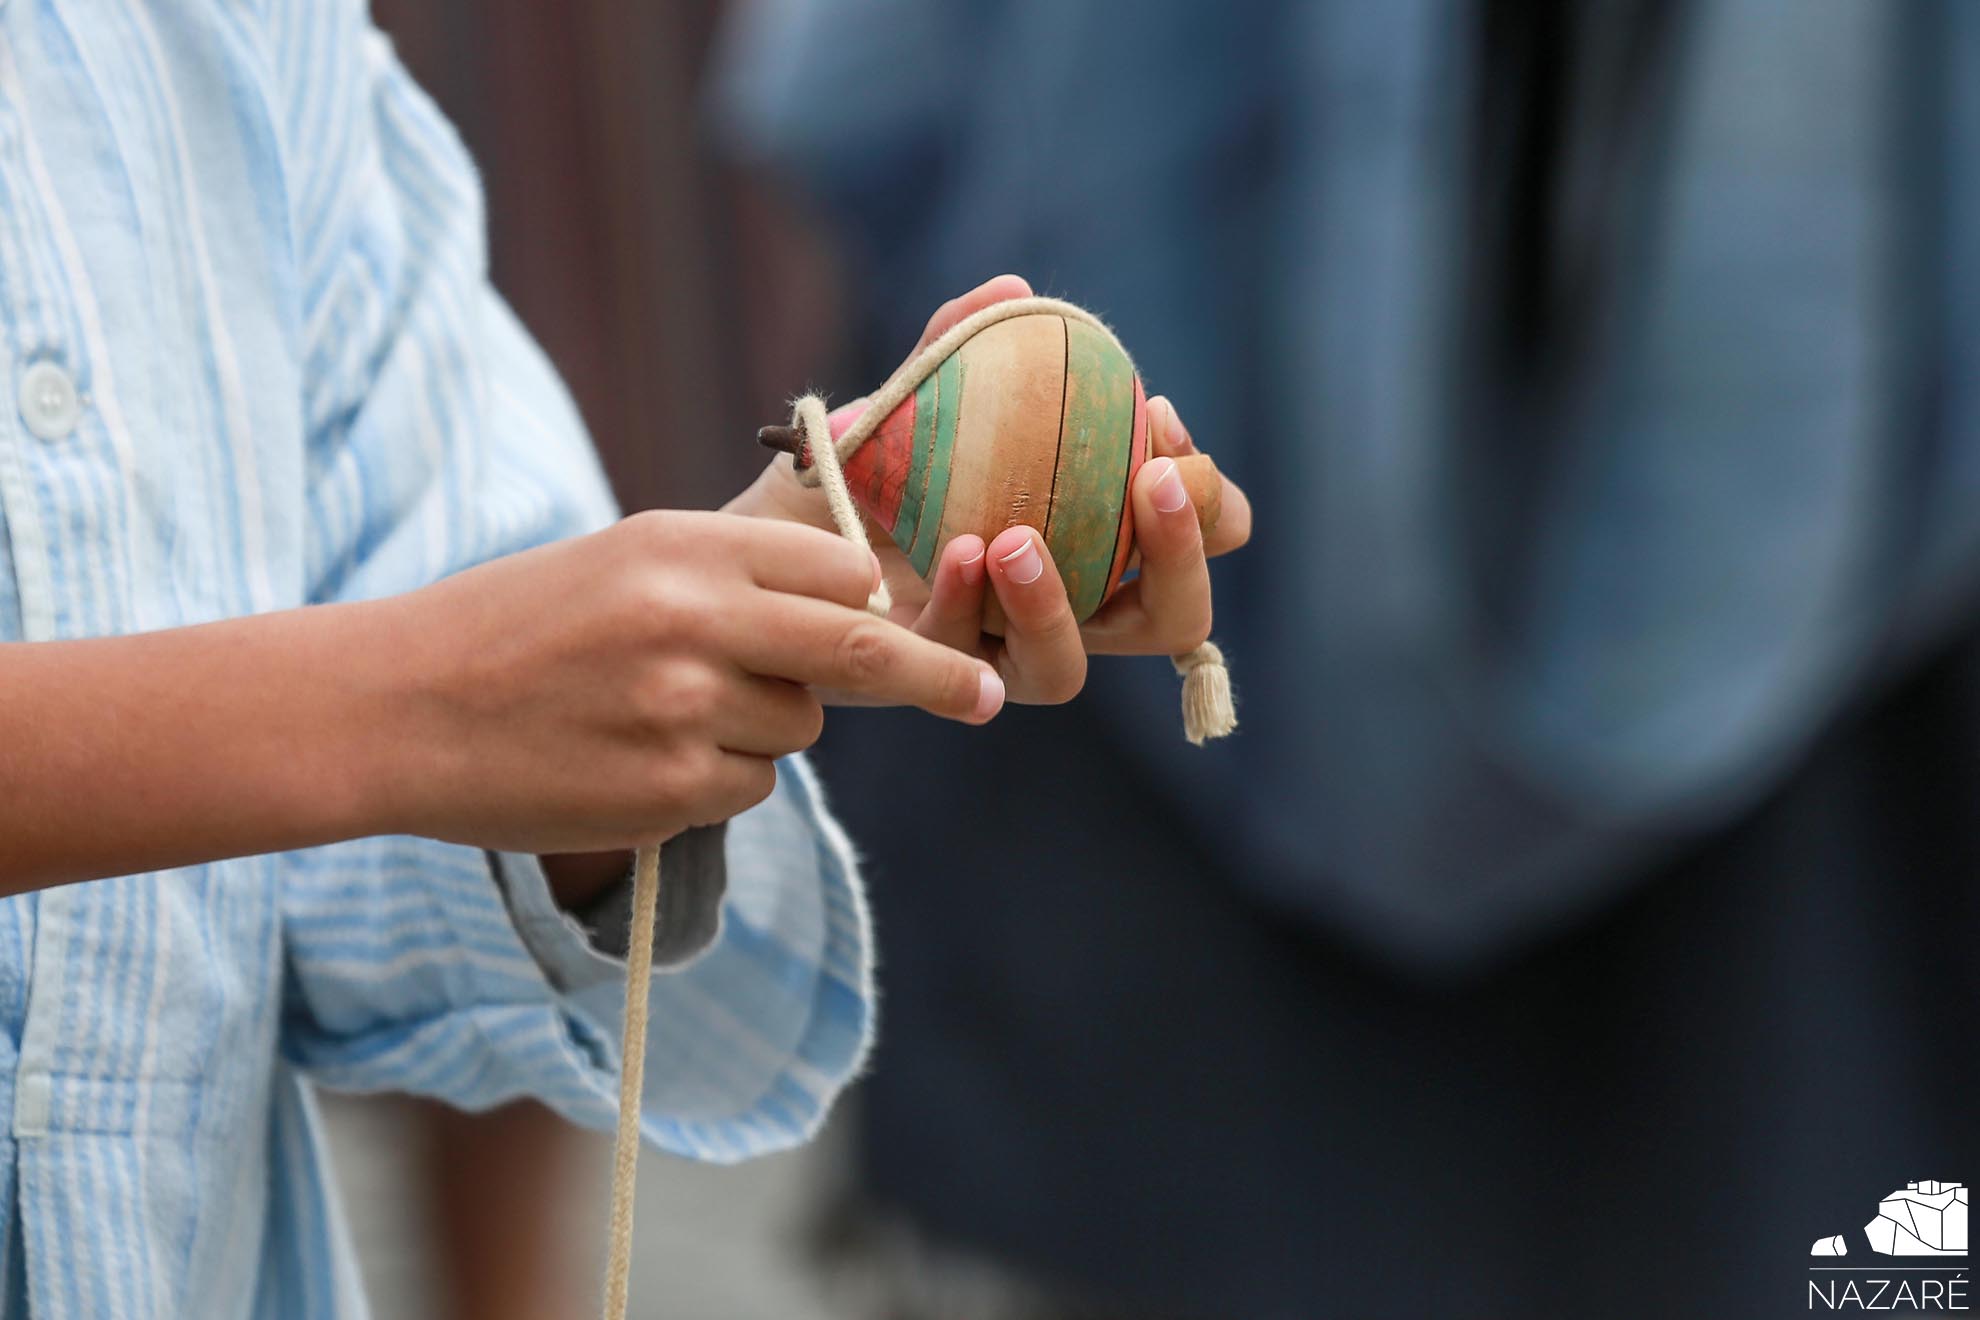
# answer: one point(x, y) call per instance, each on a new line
point(584, 697)
point(253, 735)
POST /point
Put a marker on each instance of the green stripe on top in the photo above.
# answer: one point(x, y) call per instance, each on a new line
point(947, 409)
point(907, 519)
point(1096, 441)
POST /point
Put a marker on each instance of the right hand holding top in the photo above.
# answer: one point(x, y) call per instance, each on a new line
point(615, 689)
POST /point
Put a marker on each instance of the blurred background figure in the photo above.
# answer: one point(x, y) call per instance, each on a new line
point(1585, 914)
point(1583, 920)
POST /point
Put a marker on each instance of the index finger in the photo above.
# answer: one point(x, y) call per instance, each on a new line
point(808, 561)
point(847, 651)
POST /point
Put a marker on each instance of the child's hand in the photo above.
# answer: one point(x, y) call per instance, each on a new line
point(1042, 655)
point(617, 688)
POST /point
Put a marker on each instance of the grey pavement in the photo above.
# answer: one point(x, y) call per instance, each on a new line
point(712, 1243)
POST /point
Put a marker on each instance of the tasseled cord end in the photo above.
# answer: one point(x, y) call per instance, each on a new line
point(1208, 711)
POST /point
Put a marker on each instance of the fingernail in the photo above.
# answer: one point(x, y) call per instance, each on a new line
point(1169, 493)
point(877, 575)
point(972, 569)
point(989, 693)
point(1023, 565)
point(1179, 440)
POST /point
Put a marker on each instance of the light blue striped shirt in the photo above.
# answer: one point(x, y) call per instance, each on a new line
point(249, 359)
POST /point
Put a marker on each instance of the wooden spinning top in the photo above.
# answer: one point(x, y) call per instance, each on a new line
point(1036, 418)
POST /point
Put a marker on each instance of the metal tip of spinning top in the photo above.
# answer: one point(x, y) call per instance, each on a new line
point(785, 440)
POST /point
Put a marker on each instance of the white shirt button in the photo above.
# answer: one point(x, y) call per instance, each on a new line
point(48, 400)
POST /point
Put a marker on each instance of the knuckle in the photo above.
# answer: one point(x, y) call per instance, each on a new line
point(651, 710)
point(669, 607)
point(686, 694)
point(866, 654)
point(698, 616)
point(649, 528)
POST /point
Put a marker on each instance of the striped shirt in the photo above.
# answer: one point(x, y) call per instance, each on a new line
point(250, 359)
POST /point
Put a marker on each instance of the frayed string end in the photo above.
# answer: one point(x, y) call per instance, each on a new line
point(1208, 711)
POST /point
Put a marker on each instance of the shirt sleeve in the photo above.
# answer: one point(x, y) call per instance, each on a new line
point(439, 437)
point(689, 917)
point(408, 973)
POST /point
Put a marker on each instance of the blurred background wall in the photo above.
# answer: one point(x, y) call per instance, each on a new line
point(678, 300)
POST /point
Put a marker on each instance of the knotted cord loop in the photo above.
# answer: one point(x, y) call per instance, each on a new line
point(808, 415)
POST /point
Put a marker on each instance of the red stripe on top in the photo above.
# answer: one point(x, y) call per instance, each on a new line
point(878, 470)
